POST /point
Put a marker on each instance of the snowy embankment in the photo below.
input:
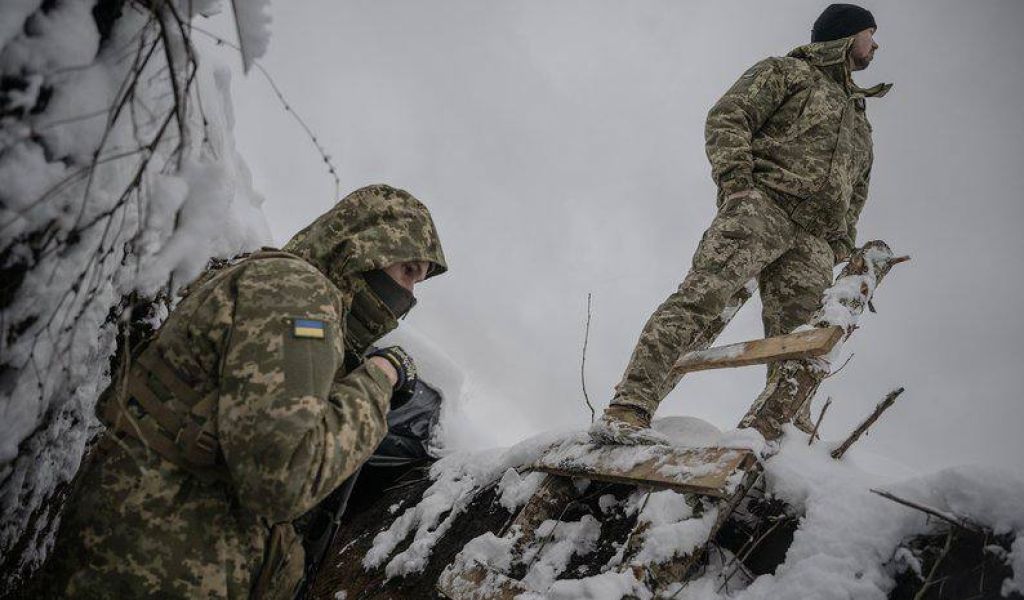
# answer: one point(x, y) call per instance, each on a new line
point(847, 545)
point(119, 180)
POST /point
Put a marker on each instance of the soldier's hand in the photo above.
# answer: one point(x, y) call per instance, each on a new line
point(402, 364)
point(385, 366)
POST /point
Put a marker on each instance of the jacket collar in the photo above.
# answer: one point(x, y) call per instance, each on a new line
point(831, 58)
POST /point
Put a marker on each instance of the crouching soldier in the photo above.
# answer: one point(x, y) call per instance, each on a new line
point(242, 413)
point(790, 149)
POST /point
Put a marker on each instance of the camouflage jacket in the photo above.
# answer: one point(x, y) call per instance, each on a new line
point(266, 337)
point(796, 127)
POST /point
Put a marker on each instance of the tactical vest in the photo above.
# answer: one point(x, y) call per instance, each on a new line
point(160, 408)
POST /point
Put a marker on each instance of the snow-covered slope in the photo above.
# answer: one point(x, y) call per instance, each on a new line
point(119, 179)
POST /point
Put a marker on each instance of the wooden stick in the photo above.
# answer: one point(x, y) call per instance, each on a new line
point(935, 567)
point(863, 427)
point(956, 520)
point(817, 424)
point(583, 363)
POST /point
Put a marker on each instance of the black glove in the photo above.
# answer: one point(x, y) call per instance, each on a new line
point(403, 365)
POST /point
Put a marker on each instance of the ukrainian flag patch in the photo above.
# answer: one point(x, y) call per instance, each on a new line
point(309, 328)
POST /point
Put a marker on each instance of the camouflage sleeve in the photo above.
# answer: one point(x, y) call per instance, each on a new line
point(290, 426)
point(843, 245)
point(735, 118)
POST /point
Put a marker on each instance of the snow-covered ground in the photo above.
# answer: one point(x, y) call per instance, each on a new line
point(844, 548)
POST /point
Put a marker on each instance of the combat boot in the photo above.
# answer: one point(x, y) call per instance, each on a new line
point(625, 424)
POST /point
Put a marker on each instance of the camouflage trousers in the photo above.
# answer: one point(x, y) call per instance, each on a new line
point(750, 237)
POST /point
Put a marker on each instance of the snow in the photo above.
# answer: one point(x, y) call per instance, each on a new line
point(844, 302)
point(457, 478)
point(81, 242)
point(688, 431)
point(723, 352)
point(514, 489)
point(848, 535)
point(253, 22)
point(848, 544)
point(560, 542)
point(670, 528)
point(443, 373)
point(1016, 560)
point(605, 586)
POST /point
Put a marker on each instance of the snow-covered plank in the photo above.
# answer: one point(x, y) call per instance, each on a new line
point(803, 344)
point(705, 471)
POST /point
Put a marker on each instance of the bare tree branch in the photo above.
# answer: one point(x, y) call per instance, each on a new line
point(817, 424)
point(955, 520)
point(583, 363)
point(863, 427)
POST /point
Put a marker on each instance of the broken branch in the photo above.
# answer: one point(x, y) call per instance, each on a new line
point(955, 520)
point(863, 427)
point(817, 424)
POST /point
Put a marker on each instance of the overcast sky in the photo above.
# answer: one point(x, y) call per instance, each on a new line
point(559, 146)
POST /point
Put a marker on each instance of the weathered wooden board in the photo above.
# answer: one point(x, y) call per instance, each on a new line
point(705, 471)
point(804, 344)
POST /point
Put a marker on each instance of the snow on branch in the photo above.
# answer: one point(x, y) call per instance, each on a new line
point(119, 180)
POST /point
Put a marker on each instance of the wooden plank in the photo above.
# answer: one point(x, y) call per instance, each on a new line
point(478, 583)
point(705, 471)
point(804, 344)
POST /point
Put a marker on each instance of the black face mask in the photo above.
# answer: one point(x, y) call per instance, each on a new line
point(377, 304)
point(398, 299)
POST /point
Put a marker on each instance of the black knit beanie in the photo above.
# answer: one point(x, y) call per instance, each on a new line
point(841, 20)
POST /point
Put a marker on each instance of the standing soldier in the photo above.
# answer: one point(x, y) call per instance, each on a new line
point(790, 150)
point(243, 413)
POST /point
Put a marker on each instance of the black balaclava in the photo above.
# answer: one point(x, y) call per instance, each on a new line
point(377, 304)
point(398, 299)
point(841, 20)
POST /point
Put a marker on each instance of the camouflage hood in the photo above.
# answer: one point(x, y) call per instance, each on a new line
point(831, 57)
point(371, 228)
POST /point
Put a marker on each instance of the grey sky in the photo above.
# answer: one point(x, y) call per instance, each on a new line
point(560, 148)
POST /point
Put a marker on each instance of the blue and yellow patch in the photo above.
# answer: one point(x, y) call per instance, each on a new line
point(309, 328)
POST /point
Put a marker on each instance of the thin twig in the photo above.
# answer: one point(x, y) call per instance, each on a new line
point(817, 424)
point(956, 520)
point(288, 108)
point(550, 535)
point(935, 567)
point(842, 366)
point(583, 363)
point(746, 551)
point(636, 526)
point(863, 427)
